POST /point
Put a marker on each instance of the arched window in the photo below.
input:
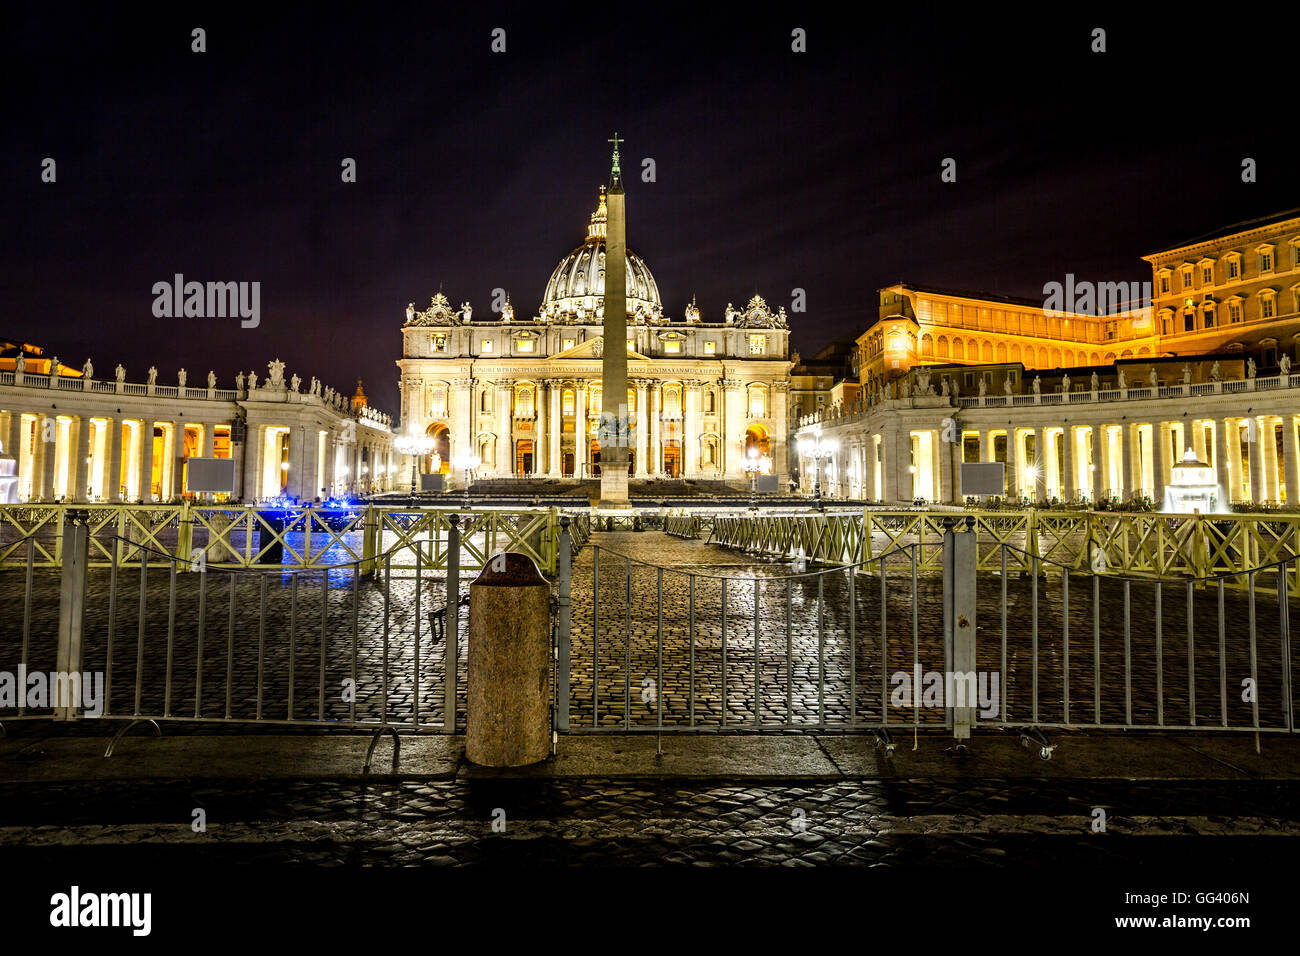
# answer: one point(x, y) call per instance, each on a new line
point(708, 402)
point(757, 401)
point(524, 401)
point(672, 401)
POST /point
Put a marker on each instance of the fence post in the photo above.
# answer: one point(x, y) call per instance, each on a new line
point(959, 554)
point(1031, 533)
point(369, 536)
point(564, 560)
point(185, 535)
point(74, 556)
point(451, 626)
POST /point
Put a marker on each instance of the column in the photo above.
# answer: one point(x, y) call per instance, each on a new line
point(690, 427)
point(1013, 463)
point(1291, 475)
point(43, 458)
point(113, 466)
point(145, 489)
point(1257, 490)
point(947, 489)
point(1040, 453)
point(780, 392)
point(79, 437)
point(642, 437)
point(1221, 470)
point(581, 436)
point(1159, 443)
point(505, 444)
point(1198, 441)
point(1126, 438)
point(654, 454)
point(1096, 476)
point(254, 449)
point(986, 446)
point(209, 440)
point(733, 433)
point(14, 437)
point(556, 427)
point(1268, 448)
point(1071, 479)
point(541, 438)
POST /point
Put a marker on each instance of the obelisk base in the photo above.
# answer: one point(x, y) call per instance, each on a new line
point(613, 485)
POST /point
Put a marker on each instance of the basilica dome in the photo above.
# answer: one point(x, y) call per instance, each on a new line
point(575, 292)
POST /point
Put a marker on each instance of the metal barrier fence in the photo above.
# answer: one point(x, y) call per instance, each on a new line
point(1140, 545)
point(372, 643)
point(229, 537)
point(879, 646)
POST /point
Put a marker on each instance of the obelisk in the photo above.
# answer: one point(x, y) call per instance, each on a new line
point(614, 419)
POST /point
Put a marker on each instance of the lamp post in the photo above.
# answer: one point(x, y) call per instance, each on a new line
point(755, 463)
point(469, 463)
point(415, 445)
point(818, 449)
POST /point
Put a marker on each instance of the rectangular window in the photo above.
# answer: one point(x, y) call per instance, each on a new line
point(710, 348)
point(1189, 321)
point(1207, 274)
point(1266, 262)
point(1267, 309)
point(1187, 278)
point(1209, 318)
point(1234, 269)
point(440, 343)
point(566, 344)
point(487, 345)
point(757, 344)
point(1164, 285)
point(525, 345)
point(1234, 311)
point(672, 347)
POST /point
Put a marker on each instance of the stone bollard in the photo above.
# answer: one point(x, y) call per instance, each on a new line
point(508, 715)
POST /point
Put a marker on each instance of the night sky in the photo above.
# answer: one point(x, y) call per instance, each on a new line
point(476, 170)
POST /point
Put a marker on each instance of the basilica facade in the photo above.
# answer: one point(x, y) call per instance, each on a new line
point(522, 394)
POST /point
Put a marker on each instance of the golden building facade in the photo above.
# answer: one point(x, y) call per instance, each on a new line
point(523, 395)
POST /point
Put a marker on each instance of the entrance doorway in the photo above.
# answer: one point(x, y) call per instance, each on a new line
point(524, 456)
point(673, 459)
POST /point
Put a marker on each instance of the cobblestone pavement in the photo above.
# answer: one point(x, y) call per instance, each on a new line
point(974, 823)
point(281, 645)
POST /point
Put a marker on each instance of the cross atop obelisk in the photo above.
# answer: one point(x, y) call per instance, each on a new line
point(614, 419)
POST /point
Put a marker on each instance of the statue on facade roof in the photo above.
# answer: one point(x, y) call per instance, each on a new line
point(1006, 385)
point(276, 368)
point(984, 387)
point(180, 378)
point(1250, 368)
point(943, 386)
point(252, 380)
point(410, 312)
point(212, 379)
point(295, 382)
point(1065, 382)
point(20, 360)
point(466, 312)
point(1154, 379)
point(1284, 363)
point(239, 381)
point(54, 367)
point(1095, 381)
point(1122, 382)
point(1187, 375)
point(88, 370)
point(1216, 373)
point(923, 386)
point(152, 376)
point(119, 373)
point(1038, 385)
